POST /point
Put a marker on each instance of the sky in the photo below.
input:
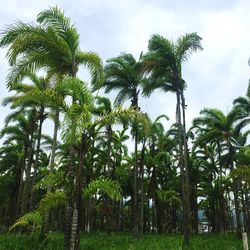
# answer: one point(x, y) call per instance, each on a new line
point(214, 76)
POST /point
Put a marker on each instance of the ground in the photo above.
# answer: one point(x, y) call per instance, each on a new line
point(121, 241)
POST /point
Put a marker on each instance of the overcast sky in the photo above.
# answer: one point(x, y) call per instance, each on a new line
point(215, 76)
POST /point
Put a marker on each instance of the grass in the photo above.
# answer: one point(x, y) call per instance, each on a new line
point(121, 241)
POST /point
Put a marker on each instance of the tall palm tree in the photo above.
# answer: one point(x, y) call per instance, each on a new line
point(164, 63)
point(125, 74)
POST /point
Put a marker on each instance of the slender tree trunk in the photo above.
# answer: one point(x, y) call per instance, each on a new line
point(236, 198)
point(74, 199)
point(135, 203)
point(221, 201)
point(71, 215)
point(247, 205)
point(183, 171)
point(54, 146)
point(142, 189)
point(237, 207)
point(13, 205)
point(36, 163)
point(186, 157)
point(27, 183)
point(134, 104)
point(45, 226)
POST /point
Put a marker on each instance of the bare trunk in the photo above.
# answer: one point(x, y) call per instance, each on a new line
point(70, 203)
point(135, 205)
point(45, 227)
point(27, 182)
point(13, 205)
point(36, 163)
point(142, 189)
point(183, 172)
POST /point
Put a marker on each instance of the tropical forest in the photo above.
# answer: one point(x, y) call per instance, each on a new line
point(108, 175)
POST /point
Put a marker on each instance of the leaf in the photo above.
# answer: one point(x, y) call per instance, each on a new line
point(51, 200)
point(32, 221)
point(105, 185)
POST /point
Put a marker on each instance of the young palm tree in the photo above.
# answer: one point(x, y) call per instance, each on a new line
point(164, 63)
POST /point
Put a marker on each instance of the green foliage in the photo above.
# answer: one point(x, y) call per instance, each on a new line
point(105, 185)
point(242, 173)
point(92, 149)
point(124, 74)
point(122, 241)
point(164, 62)
point(32, 222)
point(160, 156)
point(171, 197)
point(51, 200)
point(243, 157)
point(49, 97)
point(129, 115)
point(51, 179)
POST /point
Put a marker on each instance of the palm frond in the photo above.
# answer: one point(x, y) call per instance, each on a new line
point(187, 44)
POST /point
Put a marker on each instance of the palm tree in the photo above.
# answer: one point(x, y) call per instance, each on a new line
point(12, 161)
point(164, 63)
point(53, 45)
point(243, 104)
point(155, 137)
point(24, 98)
point(125, 74)
point(225, 131)
point(22, 132)
point(78, 124)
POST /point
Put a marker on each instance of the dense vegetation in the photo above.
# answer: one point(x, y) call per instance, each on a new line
point(84, 177)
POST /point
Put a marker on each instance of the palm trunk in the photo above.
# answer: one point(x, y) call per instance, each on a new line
point(247, 205)
point(13, 205)
point(142, 188)
point(45, 226)
point(221, 201)
point(135, 205)
point(71, 215)
point(27, 183)
point(134, 104)
point(183, 164)
point(36, 163)
point(54, 146)
point(186, 167)
point(236, 198)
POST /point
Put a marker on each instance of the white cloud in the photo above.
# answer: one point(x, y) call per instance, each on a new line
point(215, 76)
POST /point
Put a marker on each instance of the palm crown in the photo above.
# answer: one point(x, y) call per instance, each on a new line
point(164, 61)
point(52, 44)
